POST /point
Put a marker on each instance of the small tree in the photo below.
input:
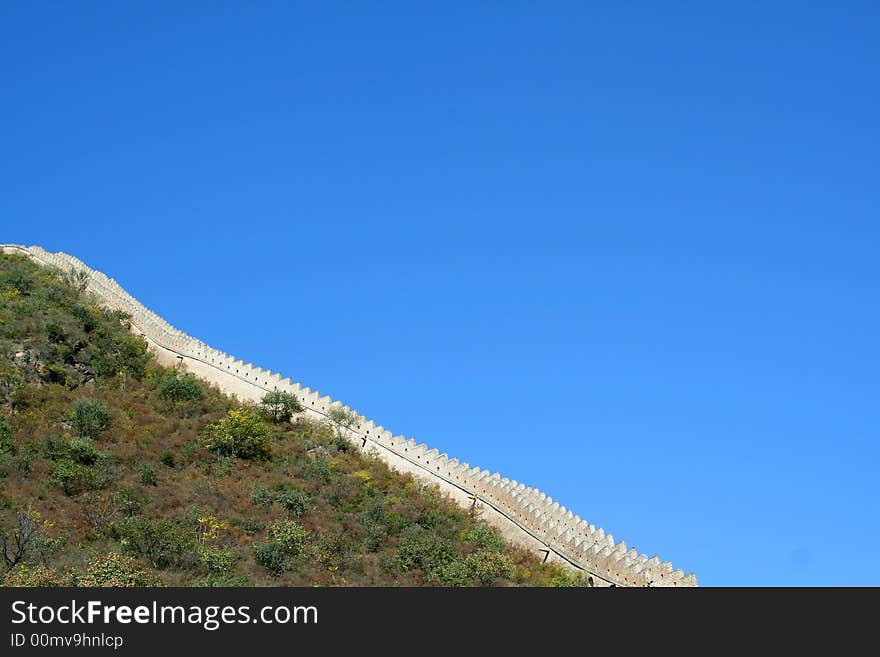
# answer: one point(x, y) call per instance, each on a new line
point(280, 406)
point(241, 433)
point(343, 423)
point(28, 540)
point(287, 541)
point(489, 565)
point(292, 499)
point(90, 418)
point(179, 388)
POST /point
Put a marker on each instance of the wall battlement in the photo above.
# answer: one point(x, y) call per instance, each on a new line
point(523, 514)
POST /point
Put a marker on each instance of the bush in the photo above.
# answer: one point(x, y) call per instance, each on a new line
point(286, 542)
point(5, 436)
point(261, 496)
point(73, 478)
point(55, 448)
point(424, 550)
point(320, 468)
point(289, 535)
point(117, 570)
point(334, 551)
point(119, 351)
point(180, 388)
point(271, 557)
point(489, 565)
point(217, 561)
point(452, 573)
point(84, 452)
point(343, 423)
point(56, 374)
point(568, 579)
point(167, 459)
point(128, 501)
point(251, 526)
point(87, 319)
point(55, 333)
point(90, 418)
point(280, 406)
point(292, 499)
point(146, 473)
point(241, 433)
point(163, 543)
point(483, 536)
point(34, 576)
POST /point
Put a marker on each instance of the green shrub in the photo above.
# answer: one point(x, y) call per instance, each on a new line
point(167, 459)
point(280, 406)
point(489, 565)
point(261, 496)
point(84, 452)
point(483, 536)
point(289, 535)
point(320, 468)
point(73, 478)
point(5, 436)
point(117, 570)
point(292, 499)
point(251, 526)
point(271, 557)
point(34, 576)
point(424, 550)
point(452, 573)
point(343, 423)
point(90, 418)
point(163, 543)
point(241, 433)
point(87, 318)
point(147, 474)
point(217, 561)
point(286, 542)
point(56, 374)
point(334, 551)
point(180, 388)
point(119, 351)
point(567, 579)
point(128, 501)
point(55, 448)
point(55, 333)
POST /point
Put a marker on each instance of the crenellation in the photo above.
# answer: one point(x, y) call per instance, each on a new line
point(523, 511)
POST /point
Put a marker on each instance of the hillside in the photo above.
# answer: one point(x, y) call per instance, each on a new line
point(116, 470)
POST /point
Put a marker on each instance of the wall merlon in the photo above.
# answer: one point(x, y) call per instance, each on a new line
point(531, 508)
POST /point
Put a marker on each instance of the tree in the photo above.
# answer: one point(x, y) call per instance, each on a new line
point(90, 418)
point(287, 541)
point(242, 433)
point(343, 423)
point(180, 388)
point(27, 541)
point(281, 406)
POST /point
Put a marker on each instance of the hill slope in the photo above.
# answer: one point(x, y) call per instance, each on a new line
point(116, 470)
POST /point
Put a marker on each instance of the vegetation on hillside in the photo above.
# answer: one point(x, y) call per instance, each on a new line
point(115, 471)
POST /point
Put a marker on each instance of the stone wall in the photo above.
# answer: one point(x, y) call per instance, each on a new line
point(524, 515)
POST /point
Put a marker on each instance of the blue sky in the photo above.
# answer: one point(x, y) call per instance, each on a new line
point(625, 252)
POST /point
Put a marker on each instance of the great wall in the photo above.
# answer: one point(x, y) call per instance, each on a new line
point(524, 515)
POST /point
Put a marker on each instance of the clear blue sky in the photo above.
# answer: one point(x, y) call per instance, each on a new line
point(625, 252)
